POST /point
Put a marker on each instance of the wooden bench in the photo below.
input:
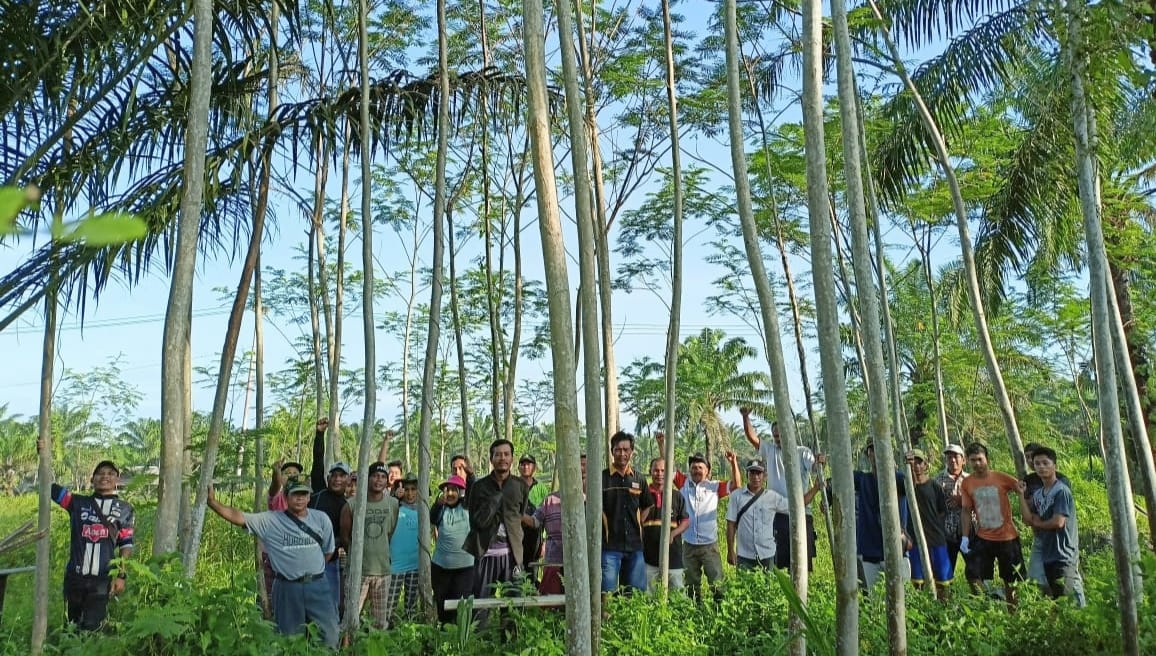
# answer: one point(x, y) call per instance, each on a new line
point(490, 603)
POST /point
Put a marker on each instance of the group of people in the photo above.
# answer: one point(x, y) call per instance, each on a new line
point(971, 514)
point(489, 531)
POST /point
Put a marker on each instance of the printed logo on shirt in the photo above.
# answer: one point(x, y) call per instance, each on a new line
point(94, 532)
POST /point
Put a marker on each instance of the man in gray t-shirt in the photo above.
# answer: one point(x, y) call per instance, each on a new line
point(1052, 513)
point(299, 542)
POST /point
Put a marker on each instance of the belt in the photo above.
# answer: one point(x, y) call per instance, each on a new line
point(308, 578)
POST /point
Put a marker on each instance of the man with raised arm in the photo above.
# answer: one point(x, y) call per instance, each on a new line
point(101, 528)
point(299, 541)
point(329, 498)
point(771, 453)
point(700, 552)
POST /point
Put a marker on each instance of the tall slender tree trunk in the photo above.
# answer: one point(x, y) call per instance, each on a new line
point(937, 357)
point(672, 331)
point(459, 342)
point(176, 412)
point(192, 545)
point(602, 235)
point(369, 416)
point(769, 311)
point(45, 474)
point(259, 456)
point(433, 336)
point(974, 294)
point(587, 262)
point(579, 595)
point(1115, 468)
point(335, 320)
point(516, 335)
point(492, 293)
point(830, 347)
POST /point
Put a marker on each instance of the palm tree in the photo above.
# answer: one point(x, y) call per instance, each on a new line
point(710, 381)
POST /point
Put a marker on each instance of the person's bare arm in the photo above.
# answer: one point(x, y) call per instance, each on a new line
point(275, 481)
point(749, 428)
point(227, 513)
point(383, 455)
point(736, 473)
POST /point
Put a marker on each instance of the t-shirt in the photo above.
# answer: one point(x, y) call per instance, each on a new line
point(548, 515)
point(1034, 482)
point(293, 553)
point(95, 542)
point(869, 517)
point(951, 487)
point(380, 523)
point(772, 456)
point(702, 507)
point(453, 525)
point(754, 533)
point(652, 528)
point(932, 511)
point(988, 497)
point(1060, 545)
point(403, 546)
point(330, 503)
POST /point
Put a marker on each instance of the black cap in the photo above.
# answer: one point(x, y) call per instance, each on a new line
point(378, 468)
point(697, 457)
point(409, 478)
point(298, 465)
point(527, 458)
point(105, 463)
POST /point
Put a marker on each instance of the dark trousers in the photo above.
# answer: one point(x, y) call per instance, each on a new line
point(782, 531)
point(455, 583)
point(86, 598)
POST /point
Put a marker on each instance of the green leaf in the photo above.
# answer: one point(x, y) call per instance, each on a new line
point(13, 200)
point(107, 230)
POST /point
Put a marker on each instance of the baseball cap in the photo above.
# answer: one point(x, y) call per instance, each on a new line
point(756, 465)
point(455, 481)
point(296, 484)
point(105, 463)
point(409, 478)
point(344, 468)
point(919, 454)
point(954, 448)
point(378, 468)
point(527, 458)
point(697, 457)
point(289, 464)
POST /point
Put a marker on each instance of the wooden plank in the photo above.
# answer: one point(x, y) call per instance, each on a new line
point(539, 601)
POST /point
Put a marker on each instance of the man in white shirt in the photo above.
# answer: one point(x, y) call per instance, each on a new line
point(771, 453)
point(750, 519)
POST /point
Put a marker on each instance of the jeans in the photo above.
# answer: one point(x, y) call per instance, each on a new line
point(746, 564)
point(296, 604)
point(1061, 578)
point(333, 579)
point(625, 567)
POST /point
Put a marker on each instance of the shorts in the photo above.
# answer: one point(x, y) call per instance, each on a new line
point(1009, 553)
point(941, 568)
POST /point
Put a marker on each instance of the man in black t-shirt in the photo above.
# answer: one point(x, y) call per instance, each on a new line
point(329, 498)
point(932, 504)
point(625, 498)
point(652, 530)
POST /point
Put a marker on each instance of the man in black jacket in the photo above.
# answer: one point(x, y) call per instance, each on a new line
point(496, 503)
point(329, 498)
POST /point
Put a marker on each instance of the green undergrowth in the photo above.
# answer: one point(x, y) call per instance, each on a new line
point(165, 614)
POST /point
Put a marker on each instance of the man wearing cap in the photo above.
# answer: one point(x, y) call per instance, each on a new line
point(700, 552)
point(100, 529)
point(750, 521)
point(932, 511)
point(381, 513)
point(950, 480)
point(329, 498)
point(496, 503)
point(282, 471)
point(403, 546)
point(625, 499)
point(299, 542)
point(532, 539)
point(1033, 483)
point(452, 569)
point(652, 523)
point(771, 453)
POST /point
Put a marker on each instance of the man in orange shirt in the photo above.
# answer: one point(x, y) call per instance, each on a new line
point(985, 493)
